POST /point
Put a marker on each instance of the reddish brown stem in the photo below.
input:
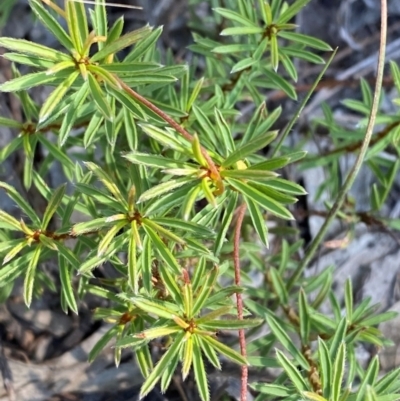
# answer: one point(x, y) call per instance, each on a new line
point(239, 300)
point(213, 168)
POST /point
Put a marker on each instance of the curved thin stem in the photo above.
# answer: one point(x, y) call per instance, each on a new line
point(358, 163)
point(296, 115)
point(239, 300)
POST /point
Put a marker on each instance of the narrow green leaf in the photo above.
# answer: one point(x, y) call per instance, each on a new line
point(158, 332)
point(234, 16)
point(98, 96)
point(286, 186)
point(48, 242)
point(157, 161)
point(242, 30)
point(231, 324)
point(326, 367)
point(151, 306)
point(144, 361)
point(207, 128)
point(348, 299)
point(205, 290)
point(30, 275)
point(222, 295)
point(291, 371)
point(108, 237)
point(92, 130)
point(279, 285)
point(263, 361)
point(51, 24)
point(234, 48)
point(249, 148)
point(104, 340)
point(108, 182)
point(163, 188)
point(214, 314)
point(14, 251)
point(21, 202)
point(167, 138)
point(95, 225)
point(57, 153)
point(226, 222)
point(207, 192)
point(133, 343)
point(130, 104)
point(132, 262)
point(384, 383)
point(199, 274)
point(68, 255)
point(250, 174)
point(286, 341)
point(9, 244)
point(274, 49)
point(186, 226)
point(292, 52)
point(163, 251)
point(223, 132)
point(168, 373)
point(75, 104)
point(313, 396)
point(27, 81)
point(258, 220)
point(66, 285)
point(32, 61)
point(130, 129)
point(147, 265)
point(261, 199)
point(15, 268)
point(113, 34)
point(225, 350)
point(338, 338)
point(166, 359)
point(77, 24)
point(195, 93)
point(209, 352)
point(53, 205)
point(10, 221)
point(338, 372)
point(291, 11)
point(7, 122)
point(304, 316)
point(172, 287)
point(197, 151)
point(100, 196)
point(280, 83)
point(35, 49)
point(187, 356)
point(271, 389)
point(199, 370)
point(122, 42)
point(144, 45)
point(305, 40)
point(100, 20)
point(368, 379)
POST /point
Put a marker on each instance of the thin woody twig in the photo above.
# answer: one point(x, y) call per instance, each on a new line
point(358, 163)
point(239, 300)
point(213, 168)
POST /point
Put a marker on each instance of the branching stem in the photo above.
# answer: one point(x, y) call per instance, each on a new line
point(239, 300)
point(213, 168)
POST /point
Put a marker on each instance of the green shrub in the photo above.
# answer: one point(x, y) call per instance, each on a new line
point(174, 193)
